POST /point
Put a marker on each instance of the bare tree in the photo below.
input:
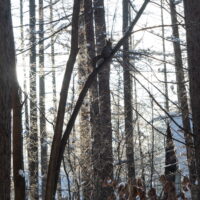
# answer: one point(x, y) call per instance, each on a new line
point(192, 18)
point(7, 66)
point(84, 125)
point(94, 98)
point(18, 161)
point(164, 58)
point(43, 134)
point(128, 111)
point(33, 134)
point(182, 94)
point(106, 156)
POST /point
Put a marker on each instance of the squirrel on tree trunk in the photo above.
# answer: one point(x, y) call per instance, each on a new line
point(105, 53)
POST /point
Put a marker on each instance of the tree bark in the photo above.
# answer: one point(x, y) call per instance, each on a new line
point(18, 162)
point(94, 98)
point(26, 122)
point(18, 165)
point(43, 133)
point(54, 99)
point(128, 111)
point(182, 95)
point(164, 61)
point(33, 134)
point(153, 144)
point(25, 125)
point(192, 19)
point(7, 65)
point(106, 156)
point(53, 62)
point(85, 136)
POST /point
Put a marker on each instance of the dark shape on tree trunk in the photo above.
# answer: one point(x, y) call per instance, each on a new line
point(170, 157)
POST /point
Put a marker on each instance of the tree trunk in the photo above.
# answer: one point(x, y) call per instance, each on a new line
point(164, 60)
point(104, 101)
point(33, 134)
point(128, 111)
point(153, 144)
point(18, 162)
point(43, 133)
point(7, 65)
point(26, 123)
point(192, 19)
point(94, 99)
point(170, 161)
point(18, 165)
point(83, 72)
point(53, 62)
point(182, 95)
point(54, 100)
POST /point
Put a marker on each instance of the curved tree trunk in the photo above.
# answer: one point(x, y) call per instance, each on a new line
point(55, 161)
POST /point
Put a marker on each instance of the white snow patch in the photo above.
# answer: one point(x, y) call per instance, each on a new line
point(21, 173)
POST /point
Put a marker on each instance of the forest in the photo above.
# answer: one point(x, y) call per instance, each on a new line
point(99, 100)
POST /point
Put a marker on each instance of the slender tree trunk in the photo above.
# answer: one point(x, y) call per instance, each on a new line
point(170, 160)
point(94, 99)
point(153, 144)
point(128, 111)
point(192, 19)
point(167, 157)
point(26, 123)
point(53, 61)
point(141, 154)
point(18, 164)
point(104, 101)
point(54, 166)
point(139, 132)
point(83, 72)
point(182, 95)
point(7, 65)
point(43, 134)
point(54, 100)
point(33, 134)
point(117, 121)
point(164, 60)
point(26, 115)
